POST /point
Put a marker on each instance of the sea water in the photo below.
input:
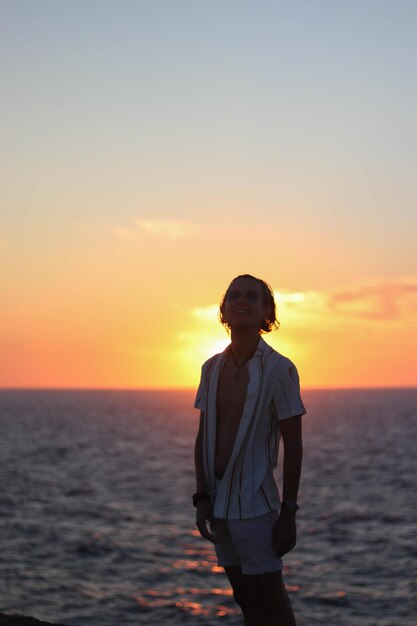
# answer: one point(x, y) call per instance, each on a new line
point(97, 527)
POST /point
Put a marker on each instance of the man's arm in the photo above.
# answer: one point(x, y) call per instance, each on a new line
point(198, 458)
point(204, 511)
point(285, 536)
point(293, 456)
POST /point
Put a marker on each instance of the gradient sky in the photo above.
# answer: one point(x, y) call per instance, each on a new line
point(151, 151)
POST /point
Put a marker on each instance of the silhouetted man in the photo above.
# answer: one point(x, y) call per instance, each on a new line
point(249, 396)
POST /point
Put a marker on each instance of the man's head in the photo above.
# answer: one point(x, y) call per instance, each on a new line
point(248, 302)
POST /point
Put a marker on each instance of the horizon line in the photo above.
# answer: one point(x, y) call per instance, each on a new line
point(108, 388)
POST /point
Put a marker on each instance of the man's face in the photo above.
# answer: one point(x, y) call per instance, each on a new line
point(244, 305)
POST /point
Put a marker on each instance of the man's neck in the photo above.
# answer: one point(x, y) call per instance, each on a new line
point(244, 343)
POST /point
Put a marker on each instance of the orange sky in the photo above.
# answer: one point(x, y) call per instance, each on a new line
point(105, 318)
point(140, 177)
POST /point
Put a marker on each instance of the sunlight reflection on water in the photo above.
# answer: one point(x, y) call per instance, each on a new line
point(152, 598)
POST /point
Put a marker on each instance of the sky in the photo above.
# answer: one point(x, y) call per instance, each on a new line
point(152, 151)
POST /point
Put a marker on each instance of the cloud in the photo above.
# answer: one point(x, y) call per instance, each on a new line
point(206, 313)
point(285, 300)
point(384, 300)
point(296, 296)
point(166, 229)
point(211, 312)
point(363, 303)
point(126, 233)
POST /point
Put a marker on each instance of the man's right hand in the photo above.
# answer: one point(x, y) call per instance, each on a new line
point(205, 520)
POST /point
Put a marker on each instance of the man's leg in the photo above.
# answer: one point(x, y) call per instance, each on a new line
point(272, 598)
point(245, 595)
point(262, 597)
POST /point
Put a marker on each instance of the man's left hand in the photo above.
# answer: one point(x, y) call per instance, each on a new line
point(285, 533)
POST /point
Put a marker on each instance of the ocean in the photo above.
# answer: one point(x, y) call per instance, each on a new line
point(97, 527)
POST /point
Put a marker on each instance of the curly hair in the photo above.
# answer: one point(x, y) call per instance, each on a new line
point(268, 324)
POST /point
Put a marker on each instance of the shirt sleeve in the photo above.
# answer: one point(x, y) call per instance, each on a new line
point(286, 401)
point(200, 398)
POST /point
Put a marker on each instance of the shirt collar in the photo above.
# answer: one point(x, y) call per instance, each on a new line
point(261, 347)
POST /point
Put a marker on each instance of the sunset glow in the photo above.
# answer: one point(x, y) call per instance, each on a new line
point(140, 177)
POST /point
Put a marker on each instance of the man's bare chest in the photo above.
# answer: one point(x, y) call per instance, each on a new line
point(231, 394)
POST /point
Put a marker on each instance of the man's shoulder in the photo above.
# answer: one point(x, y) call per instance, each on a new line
point(275, 359)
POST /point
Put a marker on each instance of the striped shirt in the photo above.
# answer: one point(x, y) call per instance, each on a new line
point(248, 488)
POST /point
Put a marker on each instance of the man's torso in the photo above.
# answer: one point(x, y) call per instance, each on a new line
point(231, 395)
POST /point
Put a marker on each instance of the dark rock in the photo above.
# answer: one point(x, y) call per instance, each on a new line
point(21, 620)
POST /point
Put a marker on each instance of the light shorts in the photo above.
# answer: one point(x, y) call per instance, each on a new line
point(247, 543)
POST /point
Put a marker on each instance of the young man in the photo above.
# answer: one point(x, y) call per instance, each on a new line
point(249, 396)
